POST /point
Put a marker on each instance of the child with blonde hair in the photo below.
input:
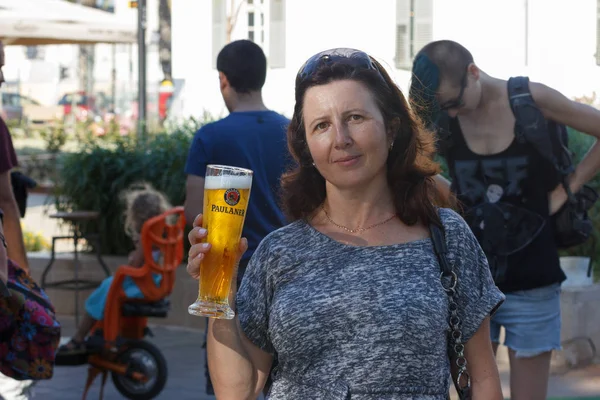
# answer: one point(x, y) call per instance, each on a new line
point(142, 203)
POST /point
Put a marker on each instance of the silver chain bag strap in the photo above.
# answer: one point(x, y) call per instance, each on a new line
point(456, 347)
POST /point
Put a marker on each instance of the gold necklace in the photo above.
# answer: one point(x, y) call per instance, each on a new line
point(357, 230)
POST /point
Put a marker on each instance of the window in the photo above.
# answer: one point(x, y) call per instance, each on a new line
point(256, 23)
point(34, 52)
point(219, 28)
point(414, 29)
point(277, 38)
point(11, 100)
point(262, 22)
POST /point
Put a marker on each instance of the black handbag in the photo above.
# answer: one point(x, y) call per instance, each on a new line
point(456, 348)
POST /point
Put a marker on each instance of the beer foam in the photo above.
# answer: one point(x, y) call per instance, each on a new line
point(228, 182)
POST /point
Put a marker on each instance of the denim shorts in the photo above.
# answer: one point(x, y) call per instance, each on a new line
point(531, 321)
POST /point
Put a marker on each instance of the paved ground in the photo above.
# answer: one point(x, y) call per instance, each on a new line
point(184, 353)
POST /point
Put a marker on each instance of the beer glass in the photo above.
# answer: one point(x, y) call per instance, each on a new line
point(226, 195)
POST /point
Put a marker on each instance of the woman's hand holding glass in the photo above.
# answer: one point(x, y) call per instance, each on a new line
point(200, 248)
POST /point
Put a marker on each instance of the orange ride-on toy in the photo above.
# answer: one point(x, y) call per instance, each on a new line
point(116, 344)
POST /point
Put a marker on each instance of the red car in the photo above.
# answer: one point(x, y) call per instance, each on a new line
point(85, 105)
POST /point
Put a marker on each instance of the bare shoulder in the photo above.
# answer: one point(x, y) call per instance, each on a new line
point(557, 107)
point(545, 96)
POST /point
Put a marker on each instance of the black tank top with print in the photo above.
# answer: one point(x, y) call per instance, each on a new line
point(505, 202)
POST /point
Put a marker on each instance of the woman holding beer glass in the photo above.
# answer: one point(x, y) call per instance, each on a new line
point(348, 296)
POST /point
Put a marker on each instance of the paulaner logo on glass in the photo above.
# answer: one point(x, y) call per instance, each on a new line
point(232, 197)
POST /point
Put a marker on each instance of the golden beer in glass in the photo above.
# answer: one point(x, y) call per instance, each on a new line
point(226, 195)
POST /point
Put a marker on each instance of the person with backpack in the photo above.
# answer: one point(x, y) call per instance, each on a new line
point(505, 147)
point(29, 329)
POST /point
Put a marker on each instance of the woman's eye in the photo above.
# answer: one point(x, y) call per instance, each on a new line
point(356, 117)
point(321, 126)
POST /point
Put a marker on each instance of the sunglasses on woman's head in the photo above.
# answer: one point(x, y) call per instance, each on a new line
point(352, 57)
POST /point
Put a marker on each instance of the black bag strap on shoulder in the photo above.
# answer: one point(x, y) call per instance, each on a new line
point(520, 97)
point(456, 347)
point(441, 250)
point(549, 138)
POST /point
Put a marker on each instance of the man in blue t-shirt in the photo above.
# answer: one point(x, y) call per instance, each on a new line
point(250, 137)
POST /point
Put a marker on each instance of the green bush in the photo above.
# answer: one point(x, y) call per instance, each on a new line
point(580, 143)
point(94, 178)
point(55, 137)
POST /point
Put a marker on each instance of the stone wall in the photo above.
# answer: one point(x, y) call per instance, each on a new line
point(580, 335)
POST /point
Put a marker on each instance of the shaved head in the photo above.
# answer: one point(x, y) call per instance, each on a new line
point(451, 59)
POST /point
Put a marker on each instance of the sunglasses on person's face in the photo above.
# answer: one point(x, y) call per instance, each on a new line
point(352, 57)
point(457, 102)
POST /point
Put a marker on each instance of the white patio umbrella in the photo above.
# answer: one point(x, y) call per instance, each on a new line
point(39, 22)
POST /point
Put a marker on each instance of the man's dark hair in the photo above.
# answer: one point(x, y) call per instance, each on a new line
point(436, 62)
point(244, 64)
point(451, 58)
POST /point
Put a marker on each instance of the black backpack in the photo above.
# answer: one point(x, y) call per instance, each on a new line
point(572, 225)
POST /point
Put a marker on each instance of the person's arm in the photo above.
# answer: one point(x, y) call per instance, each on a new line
point(481, 365)
point(586, 119)
point(3, 258)
point(12, 223)
point(230, 350)
point(228, 347)
point(194, 197)
point(136, 257)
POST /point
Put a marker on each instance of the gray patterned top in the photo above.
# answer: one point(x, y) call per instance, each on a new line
point(351, 322)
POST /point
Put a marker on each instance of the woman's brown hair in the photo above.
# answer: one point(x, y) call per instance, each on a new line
point(410, 164)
